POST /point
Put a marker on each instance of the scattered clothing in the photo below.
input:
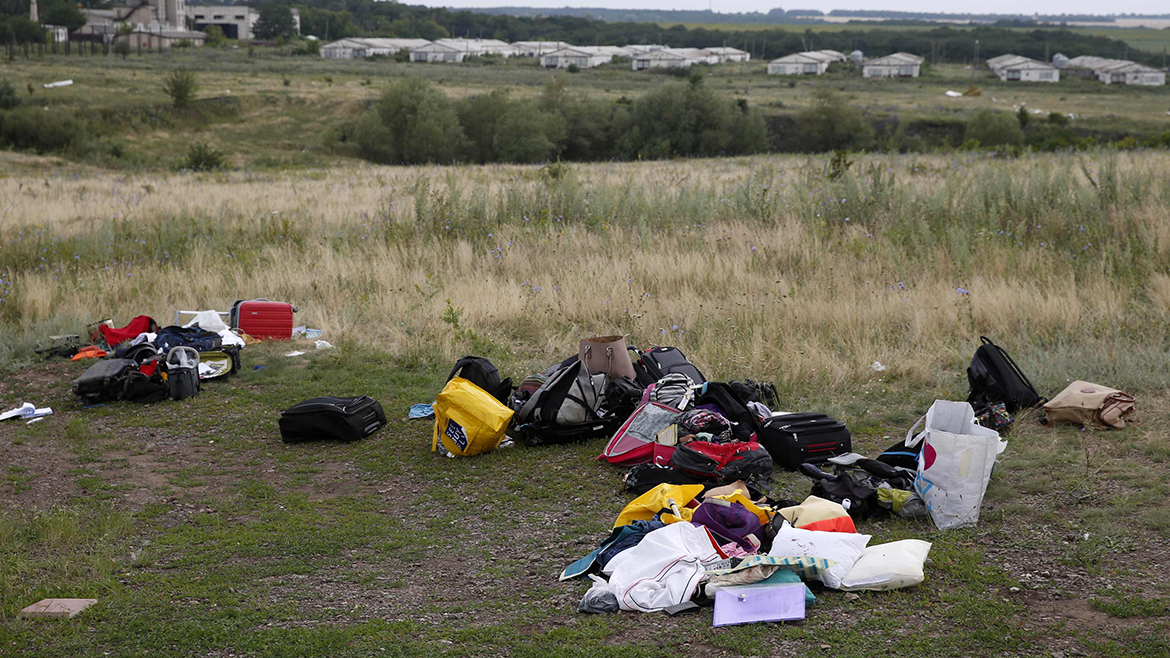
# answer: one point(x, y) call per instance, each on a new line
point(26, 411)
point(421, 411)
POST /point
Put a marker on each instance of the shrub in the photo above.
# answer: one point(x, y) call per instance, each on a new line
point(180, 85)
point(1022, 116)
point(412, 123)
point(573, 68)
point(34, 129)
point(1057, 119)
point(479, 116)
point(8, 96)
point(831, 125)
point(991, 128)
point(202, 157)
point(214, 36)
point(528, 134)
point(122, 47)
point(686, 119)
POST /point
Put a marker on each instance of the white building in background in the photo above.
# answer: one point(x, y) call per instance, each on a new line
point(437, 52)
point(698, 55)
point(644, 48)
point(1131, 73)
point(806, 63)
point(898, 65)
point(477, 47)
point(538, 48)
point(236, 21)
point(836, 56)
point(664, 58)
point(1010, 68)
point(580, 57)
point(730, 54)
point(357, 48)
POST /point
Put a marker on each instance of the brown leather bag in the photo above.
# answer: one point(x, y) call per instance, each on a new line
point(606, 354)
point(1084, 403)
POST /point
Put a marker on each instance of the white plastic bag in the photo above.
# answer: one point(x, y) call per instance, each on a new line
point(843, 548)
point(888, 566)
point(955, 464)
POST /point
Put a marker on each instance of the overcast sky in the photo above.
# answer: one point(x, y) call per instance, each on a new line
point(954, 6)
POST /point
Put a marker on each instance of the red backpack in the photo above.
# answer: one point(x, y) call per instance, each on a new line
point(723, 462)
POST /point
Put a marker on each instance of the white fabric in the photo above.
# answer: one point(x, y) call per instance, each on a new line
point(26, 411)
point(208, 321)
point(955, 464)
point(888, 566)
point(212, 321)
point(144, 337)
point(843, 548)
point(663, 569)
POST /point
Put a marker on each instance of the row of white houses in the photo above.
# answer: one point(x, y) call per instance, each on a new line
point(1112, 71)
point(1109, 71)
point(816, 62)
point(552, 54)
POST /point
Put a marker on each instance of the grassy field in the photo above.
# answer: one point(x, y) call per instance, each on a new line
point(202, 534)
point(275, 111)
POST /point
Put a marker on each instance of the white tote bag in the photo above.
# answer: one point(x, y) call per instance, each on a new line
point(955, 464)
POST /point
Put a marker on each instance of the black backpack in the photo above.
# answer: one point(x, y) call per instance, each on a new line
point(104, 381)
point(483, 373)
point(995, 377)
point(729, 405)
point(541, 419)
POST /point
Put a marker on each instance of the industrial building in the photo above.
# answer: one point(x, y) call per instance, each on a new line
point(236, 21)
point(355, 48)
point(806, 63)
point(898, 65)
point(1010, 68)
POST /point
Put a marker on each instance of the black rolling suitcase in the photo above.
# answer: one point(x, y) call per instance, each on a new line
point(658, 362)
point(104, 381)
point(330, 418)
point(808, 438)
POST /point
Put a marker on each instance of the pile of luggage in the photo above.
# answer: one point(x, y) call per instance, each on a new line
point(141, 362)
point(706, 528)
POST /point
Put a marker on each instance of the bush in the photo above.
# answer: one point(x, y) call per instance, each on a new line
point(1022, 116)
point(9, 98)
point(202, 157)
point(528, 134)
point(688, 119)
point(412, 123)
point(180, 85)
point(573, 68)
point(34, 129)
point(122, 47)
point(991, 128)
point(831, 125)
point(1057, 119)
point(479, 116)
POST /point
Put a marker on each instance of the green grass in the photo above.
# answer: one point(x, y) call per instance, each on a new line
point(383, 548)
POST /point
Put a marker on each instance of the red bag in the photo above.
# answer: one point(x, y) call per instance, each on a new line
point(722, 462)
point(138, 325)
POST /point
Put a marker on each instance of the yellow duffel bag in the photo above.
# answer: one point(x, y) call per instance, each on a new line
point(468, 420)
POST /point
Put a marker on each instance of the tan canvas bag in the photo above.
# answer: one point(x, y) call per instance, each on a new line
point(606, 354)
point(1085, 403)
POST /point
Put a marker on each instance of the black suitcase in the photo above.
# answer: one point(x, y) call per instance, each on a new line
point(338, 419)
point(104, 381)
point(658, 362)
point(807, 438)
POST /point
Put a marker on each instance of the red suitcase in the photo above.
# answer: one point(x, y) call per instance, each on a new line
point(260, 318)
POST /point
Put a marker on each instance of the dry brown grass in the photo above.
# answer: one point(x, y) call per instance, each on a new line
point(433, 262)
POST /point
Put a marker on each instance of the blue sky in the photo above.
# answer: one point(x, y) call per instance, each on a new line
point(959, 6)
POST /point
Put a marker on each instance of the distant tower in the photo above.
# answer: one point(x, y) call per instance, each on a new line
point(32, 12)
point(856, 57)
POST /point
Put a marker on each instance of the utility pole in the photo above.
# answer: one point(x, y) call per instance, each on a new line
point(975, 59)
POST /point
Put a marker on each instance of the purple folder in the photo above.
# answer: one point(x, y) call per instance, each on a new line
point(746, 604)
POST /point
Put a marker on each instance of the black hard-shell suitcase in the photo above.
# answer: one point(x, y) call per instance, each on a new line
point(808, 438)
point(338, 419)
point(658, 362)
point(104, 381)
